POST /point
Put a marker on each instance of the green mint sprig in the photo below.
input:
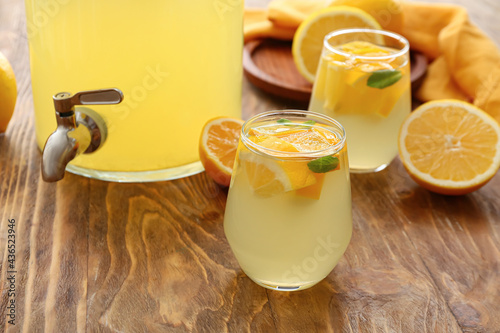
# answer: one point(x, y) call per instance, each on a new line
point(323, 164)
point(287, 122)
point(384, 78)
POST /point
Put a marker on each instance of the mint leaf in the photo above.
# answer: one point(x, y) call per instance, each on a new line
point(384, 78)
point(323, 164)
point(288, 122)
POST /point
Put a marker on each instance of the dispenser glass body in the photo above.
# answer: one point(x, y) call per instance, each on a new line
point(177, 62)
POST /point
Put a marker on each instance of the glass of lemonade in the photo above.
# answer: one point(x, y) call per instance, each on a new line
point(363, 81)
point(288, 214)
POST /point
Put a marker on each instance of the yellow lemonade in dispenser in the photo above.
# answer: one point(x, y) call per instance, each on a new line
point(177, 62)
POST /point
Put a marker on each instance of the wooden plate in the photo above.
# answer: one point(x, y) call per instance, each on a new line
point(268, 64)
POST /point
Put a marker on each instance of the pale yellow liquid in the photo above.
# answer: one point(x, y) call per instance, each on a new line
point(287, 241)
point(342, 93)
point(372, 139)
point(177, 62)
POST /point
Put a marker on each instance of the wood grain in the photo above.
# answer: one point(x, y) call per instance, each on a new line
point(268, 64)
point(93, 256)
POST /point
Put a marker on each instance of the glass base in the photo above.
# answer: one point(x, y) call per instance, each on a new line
point(284, 288)
point(368, 170)
point(139, 176)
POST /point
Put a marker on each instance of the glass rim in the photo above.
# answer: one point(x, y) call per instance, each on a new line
point(256, 148)
point(390, 34)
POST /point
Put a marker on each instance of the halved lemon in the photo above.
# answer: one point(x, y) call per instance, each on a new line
point(8, 92)
point(217, 148)
point(308, 39)
point(389, 13)
point(450, 147)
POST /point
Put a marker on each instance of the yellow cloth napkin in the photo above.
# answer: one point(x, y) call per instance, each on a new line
point(280, 19)
point(465, 62)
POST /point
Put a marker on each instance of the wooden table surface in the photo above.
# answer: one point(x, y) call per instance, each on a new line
point(93, 256)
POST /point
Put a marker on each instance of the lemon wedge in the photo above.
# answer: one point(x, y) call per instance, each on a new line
point(269, 175)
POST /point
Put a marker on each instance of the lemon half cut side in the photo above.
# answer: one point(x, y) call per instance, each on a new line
point(450, 147)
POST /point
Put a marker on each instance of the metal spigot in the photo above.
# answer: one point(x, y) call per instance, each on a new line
point(82, 131)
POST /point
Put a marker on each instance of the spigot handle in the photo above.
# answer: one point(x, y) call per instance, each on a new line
point(77, 132)
point(65, 103)
point(102, 96)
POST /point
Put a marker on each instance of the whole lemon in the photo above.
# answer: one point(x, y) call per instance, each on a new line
point(388, 13)
point(8, 92)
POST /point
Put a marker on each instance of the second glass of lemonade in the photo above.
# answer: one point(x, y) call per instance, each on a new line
point(288, 215)
point(363, 81)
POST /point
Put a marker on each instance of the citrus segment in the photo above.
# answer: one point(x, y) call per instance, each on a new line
point(269, 176)
point(311, 140)
point(8, 92)
point(274, 143)
point(313, 191)
point(217, 148)
point(364, 48)
point(265, 176)
point(450, 147)
point(308, 39)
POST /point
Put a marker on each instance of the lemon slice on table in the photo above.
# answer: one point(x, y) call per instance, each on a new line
point(308, 39)
point(450, 147)
point(217, 147)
